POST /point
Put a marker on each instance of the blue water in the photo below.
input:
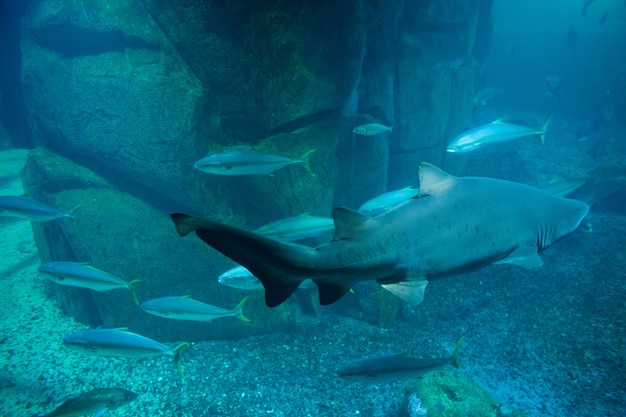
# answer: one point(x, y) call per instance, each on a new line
point(116, 102)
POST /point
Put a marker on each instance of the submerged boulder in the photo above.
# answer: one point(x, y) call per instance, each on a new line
point(449, 394)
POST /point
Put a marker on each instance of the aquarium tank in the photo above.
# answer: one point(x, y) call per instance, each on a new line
point(313, 208)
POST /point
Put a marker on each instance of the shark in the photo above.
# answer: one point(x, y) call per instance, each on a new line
point(455, 225)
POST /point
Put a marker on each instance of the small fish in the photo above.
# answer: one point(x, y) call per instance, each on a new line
point(76, 274)
point(372, 129)
point(571, 37)
point(122, 343)
point(241, 278)
point(299, 227)
point(586, 3)
point(249, 163)
point(495, 132)
point(28, 209)
point(553, 83)
point(603, 18)
point(396, 367)
point(97, 401)
point(186, 308)
point(389, 200)
point(481, 97)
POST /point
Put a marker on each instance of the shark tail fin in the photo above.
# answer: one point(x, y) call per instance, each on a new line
point(239, 310)
point(177, 351)
point(544, 129)
point(306, 159)
point(454, 359)
point(71, 212)
point(280, 266)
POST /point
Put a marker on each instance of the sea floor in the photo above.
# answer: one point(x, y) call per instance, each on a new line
point(549, 341)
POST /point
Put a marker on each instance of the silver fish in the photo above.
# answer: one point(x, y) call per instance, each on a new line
point(121, 342)
point(388, 200)
point(481, 97)
point(96, 402)
point(396, 367)
point(29, 209)
point(457, 224)
point(76, 274)
point(186, 308)
point(240, 278)
point(495, 132)
point(299, 227)
point(372, 129)
point(249, 163)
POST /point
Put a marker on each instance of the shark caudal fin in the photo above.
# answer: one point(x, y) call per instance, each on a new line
point(280, 266)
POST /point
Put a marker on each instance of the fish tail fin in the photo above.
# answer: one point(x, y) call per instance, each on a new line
point(71, 212)
point(305, 160)
point(131, 286)
point(280, 266)
point(177, 351)
point(454, 359)
point(239, 310)
point(544, 129)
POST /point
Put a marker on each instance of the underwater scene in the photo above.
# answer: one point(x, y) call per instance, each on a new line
point(312, 208)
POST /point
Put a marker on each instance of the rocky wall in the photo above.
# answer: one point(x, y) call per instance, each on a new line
point(135, 91)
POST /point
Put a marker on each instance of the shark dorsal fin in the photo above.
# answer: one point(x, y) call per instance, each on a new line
point(432, 179)
point(347, 221)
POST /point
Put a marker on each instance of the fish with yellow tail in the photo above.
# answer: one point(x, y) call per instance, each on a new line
point(495, 132)
point(249, 163)
point(76, 274)
point(121, 343)
point(186, 308)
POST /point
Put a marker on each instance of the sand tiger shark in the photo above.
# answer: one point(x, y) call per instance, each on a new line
point(457, 224)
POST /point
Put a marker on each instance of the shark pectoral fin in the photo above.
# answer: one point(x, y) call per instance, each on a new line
point(101, 412)
point(330, 293)
point(526, 257)
point(411, 292)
